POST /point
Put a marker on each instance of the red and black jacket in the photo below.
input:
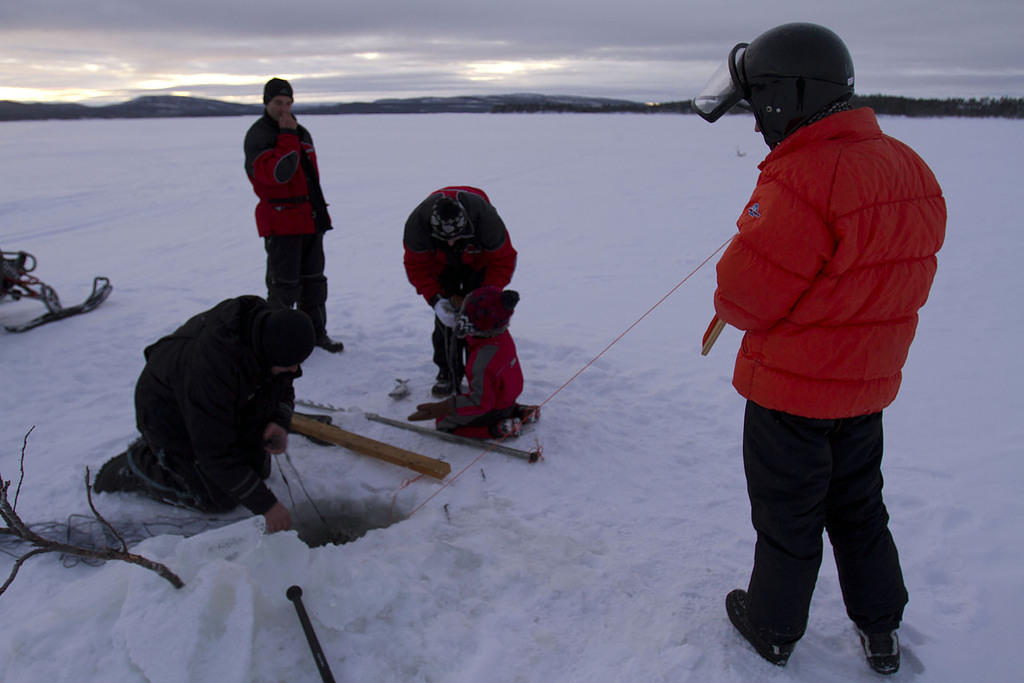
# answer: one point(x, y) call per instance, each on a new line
point(489, 250)
point(281, 165)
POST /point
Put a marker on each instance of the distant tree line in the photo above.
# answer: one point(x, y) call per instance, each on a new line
point(536, 107)
point(165, 106)
point(1002, 107)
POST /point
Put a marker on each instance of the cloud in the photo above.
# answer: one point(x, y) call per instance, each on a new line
point(344, 51)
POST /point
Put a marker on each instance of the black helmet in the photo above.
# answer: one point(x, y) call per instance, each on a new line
point(787, 74)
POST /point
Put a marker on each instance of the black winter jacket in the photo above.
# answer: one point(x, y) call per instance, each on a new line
point(206, 395)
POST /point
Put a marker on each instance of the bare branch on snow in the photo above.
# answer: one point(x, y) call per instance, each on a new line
point(15, 526)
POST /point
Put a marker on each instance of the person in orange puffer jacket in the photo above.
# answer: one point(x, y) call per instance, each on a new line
point(835, 255)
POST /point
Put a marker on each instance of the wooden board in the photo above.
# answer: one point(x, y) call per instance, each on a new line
point(711, 336)
point(375, 449)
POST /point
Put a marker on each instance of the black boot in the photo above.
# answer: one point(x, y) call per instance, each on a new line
point(443, 385)
point(117, 475)
point(527, 414)
point(328, 344)
point(882, 651)
point(768, 647)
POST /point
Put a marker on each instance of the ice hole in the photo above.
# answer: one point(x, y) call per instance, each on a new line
point(335, 523)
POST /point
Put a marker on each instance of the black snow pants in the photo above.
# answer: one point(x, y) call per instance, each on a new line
point(449, 352)
point(295, 275)
point(805, 476)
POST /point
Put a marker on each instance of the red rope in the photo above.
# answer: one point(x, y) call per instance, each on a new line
point(569, 381)
point(405, 484)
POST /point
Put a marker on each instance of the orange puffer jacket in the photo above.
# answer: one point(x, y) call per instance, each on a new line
point(834, 257)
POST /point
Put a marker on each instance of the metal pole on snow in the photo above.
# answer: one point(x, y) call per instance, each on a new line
point(294, 594)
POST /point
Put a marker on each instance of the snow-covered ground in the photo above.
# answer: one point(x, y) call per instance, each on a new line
point(607, 561)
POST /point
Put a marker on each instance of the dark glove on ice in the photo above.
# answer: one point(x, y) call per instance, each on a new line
point(433, 411)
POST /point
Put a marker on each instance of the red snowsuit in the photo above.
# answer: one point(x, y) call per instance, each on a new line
point(834, 257)
point(495, 380)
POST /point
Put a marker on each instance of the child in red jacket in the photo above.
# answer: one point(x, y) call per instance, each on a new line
point(489, 408)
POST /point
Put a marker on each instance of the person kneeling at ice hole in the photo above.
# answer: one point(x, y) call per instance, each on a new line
point(488, 409)
point(213, 402)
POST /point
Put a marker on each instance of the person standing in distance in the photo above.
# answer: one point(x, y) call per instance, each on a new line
point(835, 255)
point(291, 216)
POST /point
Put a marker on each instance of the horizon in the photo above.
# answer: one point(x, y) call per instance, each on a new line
point(327, 103)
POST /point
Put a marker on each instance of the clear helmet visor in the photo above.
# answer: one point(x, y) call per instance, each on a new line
point(724, 90)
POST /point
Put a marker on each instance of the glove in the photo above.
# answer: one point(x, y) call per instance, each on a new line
point(275, 439)
point(445, 312)
point(433, 411)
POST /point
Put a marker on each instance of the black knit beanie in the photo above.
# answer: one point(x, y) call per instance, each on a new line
point(275, 87)
point(287, 337)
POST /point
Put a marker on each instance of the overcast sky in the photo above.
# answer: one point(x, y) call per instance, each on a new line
point(102, 51)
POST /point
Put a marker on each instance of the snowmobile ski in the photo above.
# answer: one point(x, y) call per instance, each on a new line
point(101, 289)
point(529, 456)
